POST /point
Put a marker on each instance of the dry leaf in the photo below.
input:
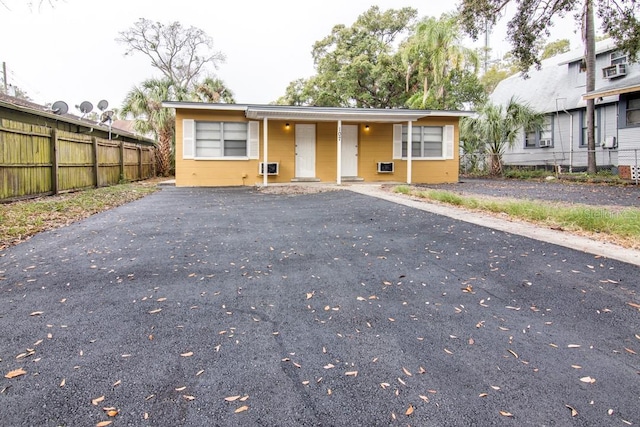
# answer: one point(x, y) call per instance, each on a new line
point(36, 313)
point(97, 400)
point(161, 299)
point(309, 295)
point(187, 354)
point(361, 299)
point(232, 398)
point(385, 385)
point(187, 397)
point(244, 398)
point(117, 383)
point(351, 373)
point(483, 394)
point(573, 346)
point(588, 380)
point(181, 388)
point(406, 371)
point(576, 366)
point(410, 410)
point(200, 372)
point(634, 305)
point(573, 410)
point(495, 387)
point(63, 382)
point(506, 414)
point(112, 413)
point(15, 373)
point(513, 352)
point(157, 310)
point(241, 409)
point(423, 397)
point(328, 366)
point(103, 423)
point(628, 350)
point(448, 351)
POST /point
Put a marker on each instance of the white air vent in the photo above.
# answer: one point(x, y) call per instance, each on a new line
point(385, 167)
point(272, 168)
point(609, 142)
point(546, 142)
point(613, 71)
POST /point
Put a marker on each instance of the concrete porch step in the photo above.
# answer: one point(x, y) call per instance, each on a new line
point(305, 180)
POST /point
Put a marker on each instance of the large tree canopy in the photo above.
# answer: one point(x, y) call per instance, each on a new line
point(180, 54)
point(357, 66)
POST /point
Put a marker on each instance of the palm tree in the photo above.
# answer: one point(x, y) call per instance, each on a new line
point(144, 102)
point(434, 51)
point(212, 89)
point(498, 128)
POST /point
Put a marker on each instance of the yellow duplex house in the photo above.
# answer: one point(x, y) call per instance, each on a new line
point(230, 144)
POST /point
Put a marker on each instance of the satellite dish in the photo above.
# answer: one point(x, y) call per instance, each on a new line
point(102, 105)
point(59, 107)
point(86, 107)
point(106, 116)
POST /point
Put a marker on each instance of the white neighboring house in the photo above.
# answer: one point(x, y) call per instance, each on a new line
point(559, 90)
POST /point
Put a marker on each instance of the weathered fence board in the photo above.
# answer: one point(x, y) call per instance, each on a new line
point(37, 160)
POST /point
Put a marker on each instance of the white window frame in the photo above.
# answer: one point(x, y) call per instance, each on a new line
point(189, 140)
point(618, 58)
point(446, 142)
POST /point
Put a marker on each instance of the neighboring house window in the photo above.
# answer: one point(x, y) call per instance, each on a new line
point(426, 141)
point(221, 139)
point(618, 58)
point(632, 113)
point(542, 137)
point(596, 133)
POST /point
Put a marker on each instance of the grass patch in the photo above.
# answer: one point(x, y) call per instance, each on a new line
point(21, 220)
point(622, 224)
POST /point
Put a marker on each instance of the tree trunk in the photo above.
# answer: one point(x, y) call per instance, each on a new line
point(590, 58)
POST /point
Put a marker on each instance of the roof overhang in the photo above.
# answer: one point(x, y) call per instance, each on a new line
point(284, 112)
point(611, 92)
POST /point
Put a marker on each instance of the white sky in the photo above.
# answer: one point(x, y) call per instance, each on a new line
point(69, 52)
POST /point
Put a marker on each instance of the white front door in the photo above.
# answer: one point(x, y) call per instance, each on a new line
point(305, 151)
point(349, 150)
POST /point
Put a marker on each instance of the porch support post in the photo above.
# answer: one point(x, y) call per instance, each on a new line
point(409, 151)
point(339, 154)
point(265, 155)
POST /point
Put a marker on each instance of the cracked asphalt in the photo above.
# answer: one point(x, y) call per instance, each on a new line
point(230, 307)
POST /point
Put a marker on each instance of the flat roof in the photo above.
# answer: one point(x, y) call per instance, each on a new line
point(292, 112)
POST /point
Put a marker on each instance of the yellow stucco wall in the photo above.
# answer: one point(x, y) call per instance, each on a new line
point(374, 145)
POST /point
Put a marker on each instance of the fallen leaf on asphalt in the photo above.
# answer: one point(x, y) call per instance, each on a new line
point(513, 352)
point(588, 380)
point(244, 398)
point(409, 410)
point(36, 313)
point(63, 382)
point(181, 388)
point(241, 409)
point(232, 398)
point(574, 346)
point(576, 366)
point(187, 354)
point(328, 366)
point(117, 383)
point(573, 410)
point(103, 423)
point(422, 370)
point(361, 299)
point(97, 400)
point(628, 350)
point(506, 414)
point(634, 305)
point(385, 385)
point(423, 397)
point(200, 372)
point(157, 310)
point(351, 373)
point(448, 351)
point(329, 391)
point(406, 371)
point(309, 295)
point(495, 387)
point(187, 397)
point(161, 299)
point(483, 395)
point(15, 373)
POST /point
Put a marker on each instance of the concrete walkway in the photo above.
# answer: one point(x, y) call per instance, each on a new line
point(520, 228)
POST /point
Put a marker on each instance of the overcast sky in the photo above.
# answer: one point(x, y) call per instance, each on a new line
point(68, 52)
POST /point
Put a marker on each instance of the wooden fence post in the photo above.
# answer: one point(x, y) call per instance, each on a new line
point(96, 163)
point(139, 151)
point(55, 186)
point(122, 177)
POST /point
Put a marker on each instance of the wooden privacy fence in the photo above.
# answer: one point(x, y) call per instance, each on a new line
point(39, 160)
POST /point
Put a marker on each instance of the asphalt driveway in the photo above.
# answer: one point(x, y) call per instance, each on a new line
point(204, 307)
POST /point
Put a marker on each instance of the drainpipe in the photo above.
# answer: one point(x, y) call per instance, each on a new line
point(570, 140)
point(409, 150)
point(339, 156)
point(265, 169)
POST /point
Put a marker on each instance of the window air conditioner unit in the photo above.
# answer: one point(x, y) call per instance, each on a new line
point(609, 142)
point(385, 167)
point(613, 71)
point(272, 168)
point(545, 142)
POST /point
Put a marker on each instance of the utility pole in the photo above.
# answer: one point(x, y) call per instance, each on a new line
point(4, 77)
